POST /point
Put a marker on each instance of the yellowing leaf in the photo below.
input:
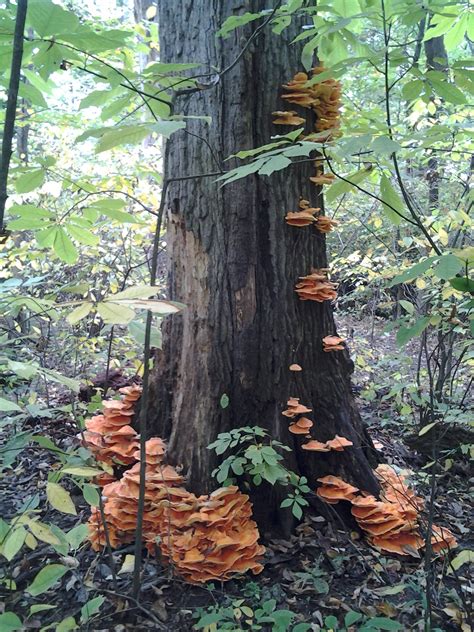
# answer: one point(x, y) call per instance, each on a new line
point(43, 532)
point(115, 313)
point(80, 312)
point(60, 499)
point(13, 542)
point(465, 557)
point(77, 470)
point(128, 564)
point(443, 236)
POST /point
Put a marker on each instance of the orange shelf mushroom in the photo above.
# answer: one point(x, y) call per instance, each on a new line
point(334, 489)
point(287, 118)
point(391, 523)
point(322, 178)
point(295, 408)
point(303, 217)
point(216, 540)
point(295, 367)
point(333, 343)
point(301, 426)
point(325, 224)
point(316, 287)
point(442, 539)
point(109, 436)
point(300, 219)
point(323, 97)
point(338, 443)
point(315, 446)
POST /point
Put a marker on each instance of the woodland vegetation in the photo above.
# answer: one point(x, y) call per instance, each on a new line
point(236, 315)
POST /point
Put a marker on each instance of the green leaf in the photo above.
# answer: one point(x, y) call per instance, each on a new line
point(124, 135)
point(341, 186)
point(445, 90)
point(162, 68)
point(427, 428)
point(97, 42)
point(297, 511)
point(10, 622)
point(455, 35)
point(115, 107)
point(82, 235)
point(40, 607)
point(80, 312)
point(115, 313)
point(448, 266)
point(331, 622)
point(29, 211)
point(13, 542)
point(32, 94)
point(413, 272)
point(91, 495)
point(137, 331)
point(60, 499)
point(462, 284)
point(96, 98)
point(30, 180)
point(46, 578)
point(64, 247)
point(439, 26)
point(133, 134)
point(385, 145)
point(391, 201)
point(66, 625)
point(91, 607)
point(23, 369)
point(46, 237)
point(234, 21)
point(412, 89)
point(40, 84)
point(405, 334)
point(48, 18)
point(77, 535)
point(383, 623)
point(224, 401)
point(274, 164)
point(351, 618)
point(70, 382)
point(7, 406)
point(121, 216)
point(407, 306)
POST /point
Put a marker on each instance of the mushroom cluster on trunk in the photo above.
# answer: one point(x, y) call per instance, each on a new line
point(109, 436)
point(391, 523)
point(316, 287)
point(204, 538)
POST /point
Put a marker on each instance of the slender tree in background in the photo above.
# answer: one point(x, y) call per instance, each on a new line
point(10, 112)
point(234, 263)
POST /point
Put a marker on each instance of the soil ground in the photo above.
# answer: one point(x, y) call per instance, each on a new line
point(323, 569)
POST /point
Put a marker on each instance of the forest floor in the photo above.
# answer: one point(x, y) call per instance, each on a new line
point(321, 571)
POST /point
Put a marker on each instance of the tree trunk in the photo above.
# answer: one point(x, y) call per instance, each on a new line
point(234, 262)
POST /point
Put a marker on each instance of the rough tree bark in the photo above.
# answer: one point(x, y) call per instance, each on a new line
point(234, 263)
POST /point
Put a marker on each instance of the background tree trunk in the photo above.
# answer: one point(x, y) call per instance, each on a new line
point(234, 263)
